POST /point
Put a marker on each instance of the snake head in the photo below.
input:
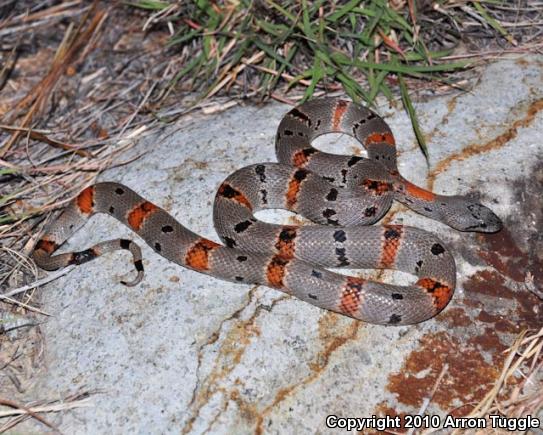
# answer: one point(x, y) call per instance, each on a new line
point(465, 214)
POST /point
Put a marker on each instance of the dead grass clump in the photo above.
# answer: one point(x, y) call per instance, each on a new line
point(518, 392)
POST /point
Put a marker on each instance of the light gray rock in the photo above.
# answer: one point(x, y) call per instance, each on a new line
point(184, 352)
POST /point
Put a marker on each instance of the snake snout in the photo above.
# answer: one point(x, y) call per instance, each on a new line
point(465, 213)
point(480, 219)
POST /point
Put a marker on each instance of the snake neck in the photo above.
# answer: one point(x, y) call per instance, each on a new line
point(462, 213)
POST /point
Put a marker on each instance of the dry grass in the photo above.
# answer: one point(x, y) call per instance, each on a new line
point(16, 413)
point(77, 92)
point(362, 48)
point(70, 109)
point(518, 392)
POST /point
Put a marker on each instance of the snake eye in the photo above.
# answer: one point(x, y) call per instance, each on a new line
point(485, 219)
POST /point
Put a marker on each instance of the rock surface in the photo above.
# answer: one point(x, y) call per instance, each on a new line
point(184, 352)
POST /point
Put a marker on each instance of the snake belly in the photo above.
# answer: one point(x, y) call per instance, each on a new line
point(343, 195)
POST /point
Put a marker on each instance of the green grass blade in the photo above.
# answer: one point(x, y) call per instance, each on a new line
point(343, 11)
point(273, 29)
point(197, 61)
point(282, 10)
point(493, 22)
point(318, 74)
point(353, 89)
point(372, 25)
point(394, 19)
point(306, 24)
point(283, 66)
point(271, 53)
point(416, 57)
point(375, 86)
point(408, 105)
point(386, 91)
point(184, 38)
point(366, 12)
point(304, 75)
point(152, 5)
point(412, 69)
point(8, 171)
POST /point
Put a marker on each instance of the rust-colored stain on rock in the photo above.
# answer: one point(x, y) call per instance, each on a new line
point(491, 342)
point(514, 310)
point(496, 306)
point(382, 410)
point(233, 347)
point(501, 251)
point(423, 366)
point(495, 143)
point(455, 317)
point(499, 323)
point(515, 254)
point(488, 283)
point(516, 250)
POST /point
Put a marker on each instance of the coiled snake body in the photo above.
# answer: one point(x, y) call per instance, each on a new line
point(343, 193)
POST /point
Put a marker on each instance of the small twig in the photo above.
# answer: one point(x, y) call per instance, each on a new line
point(142, 103)
point(20, 413)
point(215, 108)
point(21, 409)
point(286, 76)
point(50, 277)
point(257, 57)
point(43, 138)
point(22, 304)
point(530, 286)
point(428, 399)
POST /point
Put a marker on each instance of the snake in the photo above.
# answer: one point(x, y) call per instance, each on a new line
point(342, 196)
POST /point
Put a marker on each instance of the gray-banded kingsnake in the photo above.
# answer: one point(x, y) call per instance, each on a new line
point(343, 193)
